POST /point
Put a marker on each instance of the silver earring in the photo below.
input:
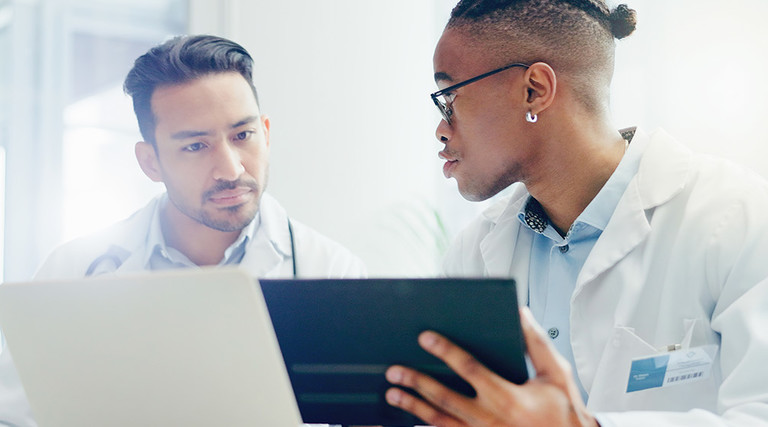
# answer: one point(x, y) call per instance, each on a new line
point(531, 118)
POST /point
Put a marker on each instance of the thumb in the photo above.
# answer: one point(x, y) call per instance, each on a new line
point(544, 357)
point(551, 367)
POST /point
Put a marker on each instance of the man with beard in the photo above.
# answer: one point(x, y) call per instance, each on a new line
point(207, 141)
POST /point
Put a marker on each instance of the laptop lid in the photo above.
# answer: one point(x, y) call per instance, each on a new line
point(173, 348)
point(338, 336)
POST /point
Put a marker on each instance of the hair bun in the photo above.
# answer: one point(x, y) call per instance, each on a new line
point(623, 21)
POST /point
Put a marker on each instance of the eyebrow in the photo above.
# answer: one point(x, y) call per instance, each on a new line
point(442, 76)
point(245, 121)
point(185, 134)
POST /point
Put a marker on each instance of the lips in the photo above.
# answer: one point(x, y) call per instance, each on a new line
point(231, 197)
point(450, 163)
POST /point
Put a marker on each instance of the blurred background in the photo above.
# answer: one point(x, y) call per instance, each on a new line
point(346, 84)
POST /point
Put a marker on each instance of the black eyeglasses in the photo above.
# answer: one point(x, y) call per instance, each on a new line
point(443, 106)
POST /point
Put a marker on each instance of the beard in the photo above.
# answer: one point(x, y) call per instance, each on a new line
point(227, 219)
point(239, 218)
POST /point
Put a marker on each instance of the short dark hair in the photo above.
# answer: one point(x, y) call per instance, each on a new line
point(575, 37)
point(179, 60)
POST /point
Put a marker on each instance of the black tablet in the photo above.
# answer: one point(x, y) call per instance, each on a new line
point(338, 336)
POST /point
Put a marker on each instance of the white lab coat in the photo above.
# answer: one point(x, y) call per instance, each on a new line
point(683, 260)
point(268, 255)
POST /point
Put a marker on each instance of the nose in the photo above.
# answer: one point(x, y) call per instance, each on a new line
point(228, 164)
point(443, 131)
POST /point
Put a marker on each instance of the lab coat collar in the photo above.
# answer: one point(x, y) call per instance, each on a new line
point(500, 242)
point(664, 169)
point(663, 173)
point(498, 246)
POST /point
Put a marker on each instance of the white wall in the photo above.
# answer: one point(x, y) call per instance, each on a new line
point(698, 68)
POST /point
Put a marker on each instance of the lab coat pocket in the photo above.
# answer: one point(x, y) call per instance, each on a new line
point(608, 392)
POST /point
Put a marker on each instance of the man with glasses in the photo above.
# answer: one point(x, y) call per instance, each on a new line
point(644, 263)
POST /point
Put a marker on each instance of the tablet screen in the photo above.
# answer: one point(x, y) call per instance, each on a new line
point(338, 337)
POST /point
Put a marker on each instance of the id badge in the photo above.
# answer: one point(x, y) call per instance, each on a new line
point(677, 367)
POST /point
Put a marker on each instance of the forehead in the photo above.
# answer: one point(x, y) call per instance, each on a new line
point(208, 101)
point(458, 58)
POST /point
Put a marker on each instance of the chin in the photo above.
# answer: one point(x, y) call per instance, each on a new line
point(473, 196)
point(475, 191)
point(227, 225)
point(235, 219)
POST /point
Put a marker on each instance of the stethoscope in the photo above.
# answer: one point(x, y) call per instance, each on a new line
point(293, 248)
point(112, 256)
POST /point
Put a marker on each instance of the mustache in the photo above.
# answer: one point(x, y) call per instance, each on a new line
point(230, 185)
point(447, 153)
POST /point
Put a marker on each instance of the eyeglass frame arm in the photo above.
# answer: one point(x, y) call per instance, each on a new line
point(474, 79)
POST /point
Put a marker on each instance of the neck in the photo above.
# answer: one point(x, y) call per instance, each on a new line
point(201, 244)
point(578, 163)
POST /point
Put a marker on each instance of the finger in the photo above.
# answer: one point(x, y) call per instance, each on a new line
point(461, 362)
point(439, 397)
point(544, 357)
point(423, 410)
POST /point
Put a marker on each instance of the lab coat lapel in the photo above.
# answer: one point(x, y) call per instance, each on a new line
point(269, 247)
point(627, 228)
point(498, 248)
point(262, 259)
point(132, 237)
point(133, 263)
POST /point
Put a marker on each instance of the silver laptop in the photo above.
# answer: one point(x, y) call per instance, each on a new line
point(175, 348)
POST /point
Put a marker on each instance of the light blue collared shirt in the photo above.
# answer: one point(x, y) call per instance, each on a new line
point(160, 256)
point(556, 261)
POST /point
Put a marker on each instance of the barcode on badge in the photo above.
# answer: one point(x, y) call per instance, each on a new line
point(690, 376)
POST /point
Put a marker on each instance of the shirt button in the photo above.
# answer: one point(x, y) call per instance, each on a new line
point(553, 333)
point(564, 249)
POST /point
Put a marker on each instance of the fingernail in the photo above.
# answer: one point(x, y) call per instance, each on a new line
point(427, 339)
point(393, 396)
point(394, 375)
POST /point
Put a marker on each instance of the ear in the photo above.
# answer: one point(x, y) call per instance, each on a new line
point(147, 158)
point(265, 125)
point(541, 86)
